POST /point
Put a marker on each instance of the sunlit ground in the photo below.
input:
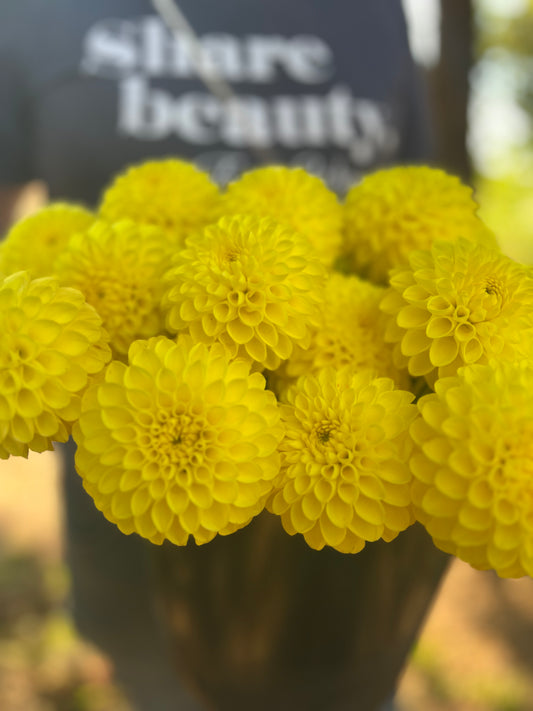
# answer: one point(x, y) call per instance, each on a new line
point(44, 666)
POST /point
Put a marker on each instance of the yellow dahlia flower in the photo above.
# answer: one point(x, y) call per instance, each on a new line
point(173, 195)
point(119, 269)
point(294, 198)
point(180, 442)
point(473, 467)
point(34, 243)
point(249, 283)
point(393, 211)
point(345, 476)
point(351, 332)
point(51, 341)
point(459, 304)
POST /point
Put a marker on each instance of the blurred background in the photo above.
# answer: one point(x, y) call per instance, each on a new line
point(476, 649)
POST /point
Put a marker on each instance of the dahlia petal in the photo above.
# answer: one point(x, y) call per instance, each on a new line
point(21, 429)
point(187, 310)
point(28, 404)
point(162, 516)
point(472, 350)
point(145, 526)
point(505, 511)
point(398, 517)
point(176, 534)
point(499, 558)
point(371, 487)
point(451, 484)
point(437, 450)
point(435, 503)
point(480, 493)
point(370, 510)
point(339, 512)
point(412, 317)
point(116, 417)
point(268, 334)
point(333, 535)
point(300, 522)
point(240, 332)
point(314, 537)
point(107, 483)
point(439, 327)
point(190, 519)
point(140, 502)
point(46, 424)
point(508, 537)
point(256, 349)
point(121, 504)
point(201, 496)
point(130, 479)
point(443, 351)
point(45, 332)
point(242, 451)
point(420, 364)
point(7, 407)
point(177, 499)
point(112, 456)
point(312, 507)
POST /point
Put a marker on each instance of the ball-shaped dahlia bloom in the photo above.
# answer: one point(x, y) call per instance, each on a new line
point(180, 442)
point(294, 198)
point(34, 243)
point(119, 268)
point(459, 304)
point(248, 283)
point(344, 476)
point(51, 342)
point(473, 466)
point(171, 194)
point(351, 332)
point(395, 210)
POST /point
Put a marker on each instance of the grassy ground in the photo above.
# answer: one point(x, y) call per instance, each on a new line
point(475, 653)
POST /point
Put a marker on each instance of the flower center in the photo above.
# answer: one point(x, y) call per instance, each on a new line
point(324, 430)
point(179, 438)
point(496, 294)
point(494, 287)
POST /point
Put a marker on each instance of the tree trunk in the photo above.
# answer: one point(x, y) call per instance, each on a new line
point(448, 85)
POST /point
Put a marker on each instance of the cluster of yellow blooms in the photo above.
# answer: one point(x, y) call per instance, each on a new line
point(351, 366)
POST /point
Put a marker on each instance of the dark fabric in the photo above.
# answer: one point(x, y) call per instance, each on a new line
point(329, 84)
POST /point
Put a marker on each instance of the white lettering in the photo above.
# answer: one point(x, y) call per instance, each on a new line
point(223, 56)
point(263, 53)
point(110, 49)
point(308, 60)
point(336, 119)
point(246, 123)
point(338, 108)
point(370, 132)
point(284, 110)
point(181, 58)
point(314, 123)
point(154, 51)
point(195, 118)
point(115, 48)
point(143, 113)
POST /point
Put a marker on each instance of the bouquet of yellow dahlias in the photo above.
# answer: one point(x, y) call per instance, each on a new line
point(351, 367)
